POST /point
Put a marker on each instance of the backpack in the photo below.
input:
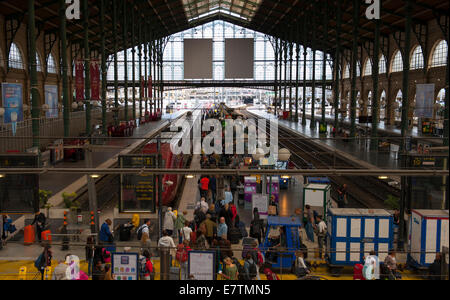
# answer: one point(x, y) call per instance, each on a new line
point(182, 254)
point(139, 231)
point(38, 261)
point(252, 271)
point(142, 264)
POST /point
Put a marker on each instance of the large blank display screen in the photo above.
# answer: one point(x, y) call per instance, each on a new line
point(198, 59)
point(239, 58)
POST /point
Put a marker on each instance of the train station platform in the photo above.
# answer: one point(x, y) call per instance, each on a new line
point(357, 151)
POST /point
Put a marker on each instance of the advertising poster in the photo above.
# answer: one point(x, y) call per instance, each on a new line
point(262, 203)
point(125, 266)
point(12, 102)
point(201, 265)
point(51, 99)
point(79, 80)
point(95, 80)
point(424, 100)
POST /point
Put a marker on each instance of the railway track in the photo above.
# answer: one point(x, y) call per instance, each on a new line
point(363, 191)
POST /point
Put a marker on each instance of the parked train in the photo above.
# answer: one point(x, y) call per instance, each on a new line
point(171, 182)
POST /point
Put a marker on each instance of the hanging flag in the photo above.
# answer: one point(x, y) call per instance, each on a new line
point(95, 80)
point(150, 85)
point(79, 80)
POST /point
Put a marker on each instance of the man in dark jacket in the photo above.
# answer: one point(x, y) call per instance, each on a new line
point(39, 220)
point(435, 268)
point(228, 215)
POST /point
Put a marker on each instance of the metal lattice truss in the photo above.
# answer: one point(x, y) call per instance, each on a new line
point(278, 18)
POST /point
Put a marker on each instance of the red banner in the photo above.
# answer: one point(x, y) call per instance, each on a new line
point(142, 87)
point(150, 85)
point(95, 80)
point(79, 80)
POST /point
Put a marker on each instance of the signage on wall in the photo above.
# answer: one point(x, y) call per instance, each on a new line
point(51, 99)
point(13, 103)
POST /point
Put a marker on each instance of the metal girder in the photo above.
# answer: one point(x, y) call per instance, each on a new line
point(421, 33)
point(49, 41)
point(12, 25)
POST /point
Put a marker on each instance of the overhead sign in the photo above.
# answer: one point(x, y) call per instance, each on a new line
point(137, 192)
point(261, 202)
point(124, 266)
point(12, 102)
point(201, 265)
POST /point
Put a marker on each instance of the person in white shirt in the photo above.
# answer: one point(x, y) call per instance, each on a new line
point(301, 269)
point(186, 232)
point(169, 220)
point(321, 231)
point(166, 242)
point(204, 205)
point(372, 267)
point(228, 196)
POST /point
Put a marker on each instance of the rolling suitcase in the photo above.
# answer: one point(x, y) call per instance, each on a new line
point(46, 236)
point(29, 235)
point(235, 235)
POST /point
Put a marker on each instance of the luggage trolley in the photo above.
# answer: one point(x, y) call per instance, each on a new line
point(282, 257)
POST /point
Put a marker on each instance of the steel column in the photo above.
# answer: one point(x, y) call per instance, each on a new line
point(35, 109)
point(354, 66)
point(375, 79)
point(285, 43)
point(280, 82)
point(275, 88)
point(150, 92)
point(87, 68)
point(297, 75)
point(146, 59)
point(104, 71)
point(305, 54)
point(404, 129)
point(133, 61)
point(324, 62)
point(141, 92)
point(65, 80)
point(337, 66)
point(291, 57)
point(116, 74)
point(125, 56)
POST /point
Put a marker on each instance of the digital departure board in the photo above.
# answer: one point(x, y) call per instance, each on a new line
point(19, 193)
point(137, 192)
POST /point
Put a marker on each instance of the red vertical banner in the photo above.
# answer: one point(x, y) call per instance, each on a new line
point(142, 87)
point(150, 85)
point(79, 80)
point(95, 80)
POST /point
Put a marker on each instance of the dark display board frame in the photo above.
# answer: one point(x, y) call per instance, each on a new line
point(138, 161)
point(25, 184)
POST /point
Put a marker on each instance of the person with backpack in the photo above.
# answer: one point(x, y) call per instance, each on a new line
point(321, 232)
point(44, 260)
point(90, 251)
point(182, 256)
point(146, 266)
point(250, 268)
point(256, 227)
point(105, 235)
point(211, 229)
point(40, 221)
point(143, 234)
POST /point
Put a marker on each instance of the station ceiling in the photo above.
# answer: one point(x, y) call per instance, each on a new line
point(278, 18)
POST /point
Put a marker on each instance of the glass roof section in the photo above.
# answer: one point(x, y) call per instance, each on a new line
point(242, 9)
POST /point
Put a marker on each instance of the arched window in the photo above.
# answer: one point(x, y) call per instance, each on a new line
point(417, 61)
point(439, 57)
point(382, 65)
point(346, 72)
point(15, 60)
point(398, 106)
point(51, 65)
point(38, 63)
point(358, 69)
point(383, 106)
point(397, 63)
point(368, 68)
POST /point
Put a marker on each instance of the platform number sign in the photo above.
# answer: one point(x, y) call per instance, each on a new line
point(137, 191)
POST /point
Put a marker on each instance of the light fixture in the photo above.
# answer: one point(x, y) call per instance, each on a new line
point(2, 175)
point(285, 177)
point(189, 176)
point(95, 176)
point(383, 177)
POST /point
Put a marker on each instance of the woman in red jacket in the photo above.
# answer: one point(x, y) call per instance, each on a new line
point(267, 270)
